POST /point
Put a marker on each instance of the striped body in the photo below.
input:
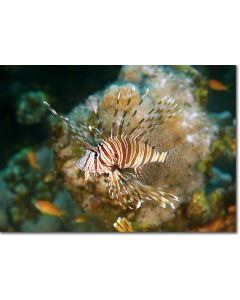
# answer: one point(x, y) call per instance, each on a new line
point(119, 153)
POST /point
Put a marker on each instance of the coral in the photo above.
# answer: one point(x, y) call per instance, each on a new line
point(44, 224)
point(30, 109)
point(26, 185)
point(198, 209)
point(22, 184)
point(6, 201)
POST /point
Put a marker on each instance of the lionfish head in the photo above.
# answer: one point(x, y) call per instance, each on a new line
point(87, 162)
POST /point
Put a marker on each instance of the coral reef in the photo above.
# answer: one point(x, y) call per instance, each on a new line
point(6, 201)
point(30, 109)
point(22, 185)
point(198, 170)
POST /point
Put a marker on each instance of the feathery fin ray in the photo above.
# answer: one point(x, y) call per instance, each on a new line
point(131, 192)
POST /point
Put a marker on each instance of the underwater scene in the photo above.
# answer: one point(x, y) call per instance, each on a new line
point(118, 149)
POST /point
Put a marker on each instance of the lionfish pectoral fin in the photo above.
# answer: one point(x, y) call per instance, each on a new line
point(167, 198)
point(131, 192)
point(148, 192)
point(122, 191)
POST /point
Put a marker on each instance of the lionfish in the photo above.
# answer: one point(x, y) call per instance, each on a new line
point(120, 154)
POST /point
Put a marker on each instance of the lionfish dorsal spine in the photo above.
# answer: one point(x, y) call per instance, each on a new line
point(77, 132)
point(163, 110)
point(134, 114)
point(114, 122)
point(99, 123)
point(125, 112)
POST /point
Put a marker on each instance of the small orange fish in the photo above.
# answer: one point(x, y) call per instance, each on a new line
point(79, 219)
point(49, 208)
point(215, 226)
point(50, 177)
point(217, 86)
point(32, 160)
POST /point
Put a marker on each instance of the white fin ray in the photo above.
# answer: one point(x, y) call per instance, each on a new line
point(130, 192)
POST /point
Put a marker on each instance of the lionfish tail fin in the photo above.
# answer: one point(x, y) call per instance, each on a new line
point(131, 192)
point(148, 192)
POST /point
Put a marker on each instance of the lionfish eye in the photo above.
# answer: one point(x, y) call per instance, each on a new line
point(95, 155)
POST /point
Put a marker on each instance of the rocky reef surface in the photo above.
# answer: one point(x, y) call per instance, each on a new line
point(201, 142)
